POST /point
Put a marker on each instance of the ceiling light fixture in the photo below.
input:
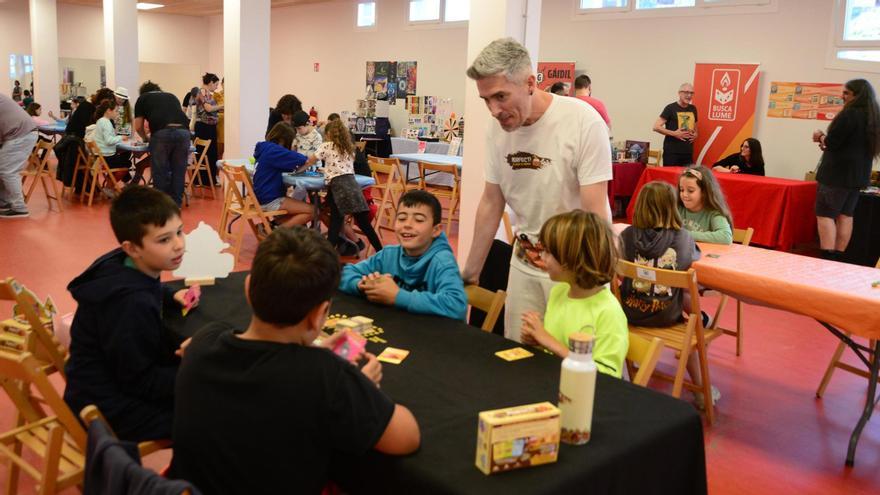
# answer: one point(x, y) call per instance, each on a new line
point(148, 6)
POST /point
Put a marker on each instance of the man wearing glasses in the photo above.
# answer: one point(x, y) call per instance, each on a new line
point(678, 122)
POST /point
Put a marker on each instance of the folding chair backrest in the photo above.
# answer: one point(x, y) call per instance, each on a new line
point(361, 145)
point(378, 167)
point(655, 158)
point(25, 369)
point(243, 194)
point(670, 278)
point(205, 144)
point(743, 236)
point(393, 162)
point(436, 167)
point(487, 301)
point(28, 308)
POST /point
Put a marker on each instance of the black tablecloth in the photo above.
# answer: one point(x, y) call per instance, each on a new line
point(642, 441)
point(864, 246)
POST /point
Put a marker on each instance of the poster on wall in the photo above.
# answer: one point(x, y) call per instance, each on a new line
point(553, 72)
point(388, 81)
point(814, 101)
point(725, 97)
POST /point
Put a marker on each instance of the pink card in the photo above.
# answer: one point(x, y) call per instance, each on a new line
point(350, 346)
point(191, 298)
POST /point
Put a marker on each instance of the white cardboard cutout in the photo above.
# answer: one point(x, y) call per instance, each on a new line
point(203, 257)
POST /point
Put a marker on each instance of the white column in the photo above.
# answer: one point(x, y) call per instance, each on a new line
point(490, 20)
point(121, 46)
point(44, 49)
point(246, 69)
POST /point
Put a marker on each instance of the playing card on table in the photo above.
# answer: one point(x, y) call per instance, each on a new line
point(393, 355)
point(514, 354)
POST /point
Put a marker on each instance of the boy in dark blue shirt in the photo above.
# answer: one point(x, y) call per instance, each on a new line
point(121, 359)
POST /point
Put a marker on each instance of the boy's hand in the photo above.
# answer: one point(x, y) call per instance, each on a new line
point(182, 349)
point(381, 289)
point(372, 369)
point(368, 280)
point(533, 331)
point(180, 298)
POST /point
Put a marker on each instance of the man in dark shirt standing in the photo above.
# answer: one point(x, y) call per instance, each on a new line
point(169, 138)
point(678, 122)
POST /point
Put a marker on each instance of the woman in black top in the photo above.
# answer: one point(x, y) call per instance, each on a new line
point(283, 111)
point(849, 149)
point(749, 160)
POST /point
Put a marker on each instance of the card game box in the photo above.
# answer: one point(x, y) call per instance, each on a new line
point(517, 437)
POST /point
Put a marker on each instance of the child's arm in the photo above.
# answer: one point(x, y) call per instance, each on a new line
point(447, 297)
point(534, 333)
point(353, 273)
point(402, 434)
point(612, 341)
point(719, 232)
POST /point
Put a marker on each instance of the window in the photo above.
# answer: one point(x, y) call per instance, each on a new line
point(457, 10)
point(662, 4)
point(862, 21)
point(603, 4)
point(688, 7)
point(856, 28)
point(366, 14)
point(436, 11)
point(19, 65)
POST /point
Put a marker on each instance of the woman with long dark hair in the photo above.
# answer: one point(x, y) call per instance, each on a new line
point(206, 121)
point(283, 112)
point(849, 149)
point(749, 160)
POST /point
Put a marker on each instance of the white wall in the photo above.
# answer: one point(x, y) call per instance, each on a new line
point(163, 39)
point(637, 65)
point(325, 33)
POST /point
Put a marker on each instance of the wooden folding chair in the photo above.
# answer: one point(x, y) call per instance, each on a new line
point(100, 170)
point(198, 165)
point(642, 357)
point(685, 338)
point(836, 363)
point(487, 301)
point(361, 146)
point(744, 237)
point(240, 201)
point(655, 158)
point(388, 175)
point(38, 169)
point(451, 193)
point(83, 163)
point(58, 440)
point(30, 329)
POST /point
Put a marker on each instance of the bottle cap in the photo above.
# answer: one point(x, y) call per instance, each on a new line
point(580, 343)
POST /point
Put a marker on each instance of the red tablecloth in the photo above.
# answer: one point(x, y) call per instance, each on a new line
point(780, 210)
point(626, 176)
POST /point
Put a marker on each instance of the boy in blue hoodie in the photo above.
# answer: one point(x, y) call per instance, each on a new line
point(420, 274)
point(121, 359)
point(274, 157)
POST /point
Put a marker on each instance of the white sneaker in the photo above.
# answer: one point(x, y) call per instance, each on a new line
point(700, 402)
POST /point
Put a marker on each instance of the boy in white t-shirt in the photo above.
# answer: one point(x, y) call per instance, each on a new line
point(548, 154)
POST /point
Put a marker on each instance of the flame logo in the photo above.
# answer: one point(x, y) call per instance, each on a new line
point(725, 80)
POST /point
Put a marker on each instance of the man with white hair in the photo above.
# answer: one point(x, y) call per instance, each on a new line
point(678, 122)
point(547, 154)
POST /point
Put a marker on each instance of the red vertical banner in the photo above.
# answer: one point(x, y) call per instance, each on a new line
point(725, 97)
point(553, 72)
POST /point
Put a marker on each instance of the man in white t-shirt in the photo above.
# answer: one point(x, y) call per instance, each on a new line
point(546, 154)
